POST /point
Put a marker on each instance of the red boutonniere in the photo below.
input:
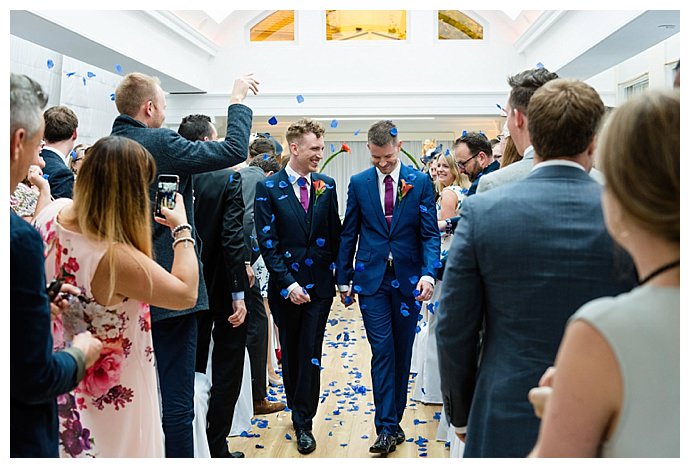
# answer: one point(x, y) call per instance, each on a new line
point(319, 188)
point(403, 189)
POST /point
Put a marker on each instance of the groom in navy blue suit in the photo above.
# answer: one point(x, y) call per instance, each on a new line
point(391, 223)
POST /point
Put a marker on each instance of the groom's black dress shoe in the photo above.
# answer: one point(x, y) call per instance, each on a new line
point(305, 441)
point(385, 443)
point(399, 435)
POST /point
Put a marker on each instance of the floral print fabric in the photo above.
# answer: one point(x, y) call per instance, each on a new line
point(114, 411)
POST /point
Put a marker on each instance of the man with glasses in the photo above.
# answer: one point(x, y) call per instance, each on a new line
point(474, 157)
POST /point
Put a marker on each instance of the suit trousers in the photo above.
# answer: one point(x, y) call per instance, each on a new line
point(174, 341)
point(257, 339)
point(391, 335)
point(227, 365)
point(301, 330)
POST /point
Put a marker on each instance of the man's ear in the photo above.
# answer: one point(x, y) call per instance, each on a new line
point(16, 141)
point(520, 119)
point(269, 173)
point(399, 145)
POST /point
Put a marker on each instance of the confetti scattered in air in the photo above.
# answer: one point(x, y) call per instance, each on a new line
point(394, 131)
point(273, 121)
point(50, 64)
point(334, 123)
point(300, 99)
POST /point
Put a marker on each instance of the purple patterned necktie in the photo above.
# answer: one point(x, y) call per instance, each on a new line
point(388, 200)
point(304, 193)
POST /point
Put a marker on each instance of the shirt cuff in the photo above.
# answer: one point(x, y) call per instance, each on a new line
point(428, 279)
point(78, 355)
point(238, 296)
point(343, 288)
point(292, 287)
point(461, 430)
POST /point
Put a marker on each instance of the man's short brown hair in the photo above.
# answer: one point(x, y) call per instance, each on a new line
point(61, 122)
point(134, 90)
point(564, 117)
point(303, 127)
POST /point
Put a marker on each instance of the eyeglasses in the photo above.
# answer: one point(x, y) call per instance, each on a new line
point(463, 163)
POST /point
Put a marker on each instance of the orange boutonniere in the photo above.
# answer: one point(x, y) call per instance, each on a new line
point(403, 189)
point(319, 188)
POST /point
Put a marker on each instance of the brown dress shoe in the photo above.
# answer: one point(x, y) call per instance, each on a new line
point(264, 406)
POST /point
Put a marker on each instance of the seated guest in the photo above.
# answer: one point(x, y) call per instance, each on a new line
point(616, 391)
point(60, 135)
point(565, 258)
point(37, 374)
point(102, 245)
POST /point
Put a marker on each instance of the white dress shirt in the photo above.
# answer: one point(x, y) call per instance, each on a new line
point(294, 177)
point(558, 162)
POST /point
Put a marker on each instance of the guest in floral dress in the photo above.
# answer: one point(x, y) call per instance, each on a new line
point(101, 243)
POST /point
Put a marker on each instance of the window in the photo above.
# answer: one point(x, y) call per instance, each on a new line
point(636, 86)
point(366, 25)
point(278, 26)
point(455, 25)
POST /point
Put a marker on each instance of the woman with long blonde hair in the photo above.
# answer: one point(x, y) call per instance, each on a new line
point(101, 243)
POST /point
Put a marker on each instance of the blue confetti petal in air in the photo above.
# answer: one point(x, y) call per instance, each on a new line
point(295, 266)
point(266, 157)
point(309, 286)
point(464, 133)
point(316, 363)
point(357, 132)
point(83, 80)
point(359, 266)
point(416, 292)
point(423, 209)
point(333, 266)
point(334, 123)
point(412, 177)
point(282, 197)
point(71, 73)
point(112, 96)
point(270, 184)
point(447, 152)
point(404, 311)
point(273, 121)
point(320, 242)
point(265, 229)
point(284, 293)
point(393, 131)
point(118, 68)
point(90, 74)
point(273, 217)
point(282, 184)
point(73, 154)
point(50, 64)
point(413, 279)
point(231, 177)
point(308, 261)
point(395, 284)
point(268, 244)
point(540, 65)
point(300, 99)
point(287, 254)
point(332, 148)
point(261, 198)
point(357, 288)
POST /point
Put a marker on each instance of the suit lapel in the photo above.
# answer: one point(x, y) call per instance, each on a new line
point(373, 189)
point(312, 203)
point(292, 200)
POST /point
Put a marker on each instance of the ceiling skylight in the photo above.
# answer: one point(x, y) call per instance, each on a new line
point(512, 14)
point(218, 15)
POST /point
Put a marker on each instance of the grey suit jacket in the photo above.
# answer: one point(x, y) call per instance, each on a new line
point(524, 258)
point(251, 175)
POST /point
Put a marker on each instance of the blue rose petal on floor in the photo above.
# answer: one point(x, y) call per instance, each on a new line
point(288, 437)
point(263, 424)
point(258, 446)
point(273, 121)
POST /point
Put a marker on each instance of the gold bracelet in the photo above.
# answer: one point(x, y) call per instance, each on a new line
point(185, 240)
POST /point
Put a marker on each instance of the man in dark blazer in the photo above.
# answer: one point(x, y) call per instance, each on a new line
point(391, 223)
point(260, 166)
point(525, 286)
point(141, 103)
point(60, 135)
point(218, 212)
point(298, 229)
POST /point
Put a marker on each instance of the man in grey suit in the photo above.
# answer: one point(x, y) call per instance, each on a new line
point(525, 286)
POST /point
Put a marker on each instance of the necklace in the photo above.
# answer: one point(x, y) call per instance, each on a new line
point(660, 270)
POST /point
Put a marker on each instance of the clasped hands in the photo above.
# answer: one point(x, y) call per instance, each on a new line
point(426, 290)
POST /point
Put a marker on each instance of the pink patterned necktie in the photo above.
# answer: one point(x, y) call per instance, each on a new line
point(304, 193)
point(388, 200)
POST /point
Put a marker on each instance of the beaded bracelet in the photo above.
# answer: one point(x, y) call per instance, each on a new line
point(184, 239)
point(449, 226)
point(181, 227)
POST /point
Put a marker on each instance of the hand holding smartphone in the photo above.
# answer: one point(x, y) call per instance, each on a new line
point(168, 186)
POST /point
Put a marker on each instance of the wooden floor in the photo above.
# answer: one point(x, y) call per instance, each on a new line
point(344, 423)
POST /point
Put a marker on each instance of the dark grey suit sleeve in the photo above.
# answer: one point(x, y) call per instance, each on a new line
point(460, 316)
point(61, 183)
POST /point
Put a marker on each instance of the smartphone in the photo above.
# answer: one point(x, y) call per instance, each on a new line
point(53, 289)
point(168, 185)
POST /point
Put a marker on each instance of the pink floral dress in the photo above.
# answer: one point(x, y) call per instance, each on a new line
point(115, 410)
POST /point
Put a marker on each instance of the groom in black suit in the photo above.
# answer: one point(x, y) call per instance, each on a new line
point(298, 229)
point(60, 135)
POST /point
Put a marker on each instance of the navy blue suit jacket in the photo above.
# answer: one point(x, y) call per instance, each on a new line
point(524, 258)
point(60, 177)
point(297, 246)
point(37, 375)
point(413, 237)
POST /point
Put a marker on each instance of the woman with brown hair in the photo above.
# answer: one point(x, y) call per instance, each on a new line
point(510, 152)
point(616, 387)
point(101, 243)
point(76, 157)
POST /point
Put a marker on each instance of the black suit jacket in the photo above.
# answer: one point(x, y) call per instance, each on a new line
point(61, 178)
point(218, 213)
point(298, 246)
